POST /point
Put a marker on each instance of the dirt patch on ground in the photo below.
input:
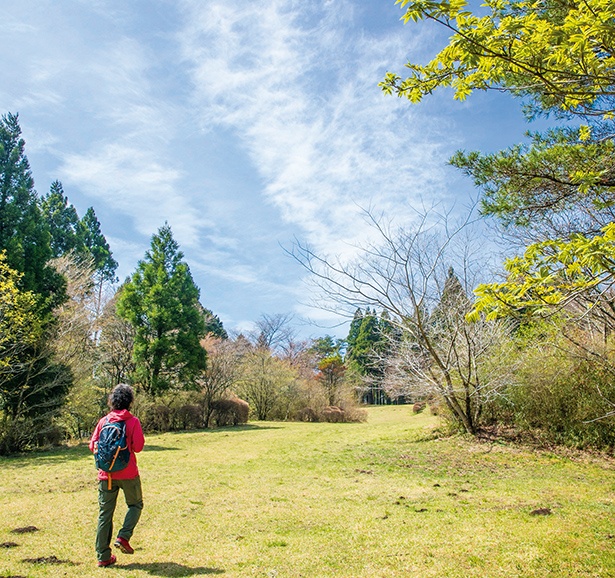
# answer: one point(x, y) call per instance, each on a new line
point(541, 512)
point(48, 560)
point(25, 530)
point(9, 545)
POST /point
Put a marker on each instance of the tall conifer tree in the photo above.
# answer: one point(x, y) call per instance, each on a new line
point(24, 233)
point(96, 245)
point(63, 222)
point(161, 301)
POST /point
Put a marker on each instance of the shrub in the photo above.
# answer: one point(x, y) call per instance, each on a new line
point(355, 414)
point(188, 416)
point(333, 414)
point(349, 414)
point(562, 391)
point(306, 414)
point(435, 406)
point(231, 411)
point(156, 417)
point(27, 434)
point(567, 405)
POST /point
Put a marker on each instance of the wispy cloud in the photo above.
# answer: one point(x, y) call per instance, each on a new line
point(303, 97)
point(134, 182)
point(129, 165)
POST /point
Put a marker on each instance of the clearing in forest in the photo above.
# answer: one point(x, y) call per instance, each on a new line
point(386, 498)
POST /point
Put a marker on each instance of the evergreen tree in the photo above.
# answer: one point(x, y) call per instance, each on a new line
point(353, 332)
point(161, 301)
point(213, 325)
point(24, 234)
point(63, 222)
point(369, 342)
point(329, 365)
point(324, 347)
point(367, 338)
point(96, 245)
point(33, 384)
point(82, 236)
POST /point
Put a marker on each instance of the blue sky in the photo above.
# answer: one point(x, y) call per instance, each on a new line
point(244, 125)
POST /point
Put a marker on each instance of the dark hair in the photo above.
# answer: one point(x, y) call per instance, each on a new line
point(121, 397)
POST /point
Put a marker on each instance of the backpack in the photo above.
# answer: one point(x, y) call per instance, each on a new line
point(111, 453)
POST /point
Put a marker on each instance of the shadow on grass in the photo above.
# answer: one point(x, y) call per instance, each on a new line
point(57, 454)
point(170, 569)
point(227, 429)
point(78, 452)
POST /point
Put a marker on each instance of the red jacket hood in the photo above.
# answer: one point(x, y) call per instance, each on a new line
point(119, 415)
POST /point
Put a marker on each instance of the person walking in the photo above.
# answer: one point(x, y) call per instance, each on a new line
point(128, 479)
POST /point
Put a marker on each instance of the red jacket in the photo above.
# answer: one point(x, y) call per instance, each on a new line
point(134, 438)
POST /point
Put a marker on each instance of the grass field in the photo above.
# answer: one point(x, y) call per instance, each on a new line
point(386, 498)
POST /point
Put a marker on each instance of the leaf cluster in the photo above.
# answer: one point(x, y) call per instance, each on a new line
point(560, 53)
point(559, 183)
point(552, 274)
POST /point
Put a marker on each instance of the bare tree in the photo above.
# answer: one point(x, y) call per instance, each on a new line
point(74, 342)
point(74, 338)
point(330, 375)
point(274, 332)
point(263, 379)
point(115, 346)
point(223, 361)
point(405, 273)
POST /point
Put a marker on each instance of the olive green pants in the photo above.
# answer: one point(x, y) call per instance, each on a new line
point(107, 500)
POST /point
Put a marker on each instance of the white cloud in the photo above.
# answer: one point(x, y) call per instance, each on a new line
point(136, 183)
point(302, 96)
point(128, 165)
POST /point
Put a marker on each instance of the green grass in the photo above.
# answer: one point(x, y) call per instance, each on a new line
point(387, 498)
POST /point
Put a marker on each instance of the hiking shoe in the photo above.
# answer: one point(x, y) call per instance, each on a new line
point(105, 563)
point(124, 546)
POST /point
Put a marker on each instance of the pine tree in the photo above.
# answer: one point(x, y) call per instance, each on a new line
point(324, 347)
point(96, 245)
point(369, 341)
point(24, 233)
point(213, 324)
point(367, 338)
point(161, 301)
point(353, 331)
point(63, 222)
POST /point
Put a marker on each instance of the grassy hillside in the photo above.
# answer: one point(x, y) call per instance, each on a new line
point(382, 499)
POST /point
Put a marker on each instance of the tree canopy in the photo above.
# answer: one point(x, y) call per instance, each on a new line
point(20, 326)
point(552, 274)
point(63, 221)
point(96, 245)
point(560, 53)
